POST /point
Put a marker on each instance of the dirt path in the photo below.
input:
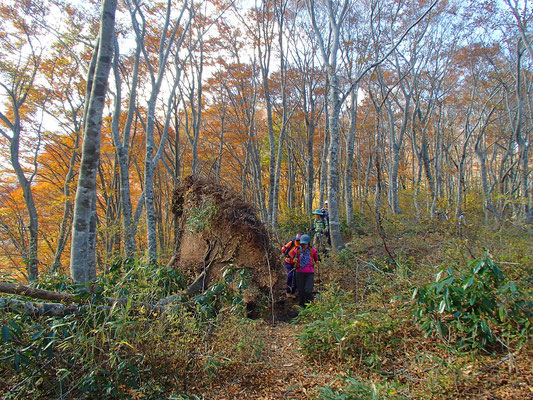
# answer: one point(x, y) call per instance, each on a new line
point(282, 372)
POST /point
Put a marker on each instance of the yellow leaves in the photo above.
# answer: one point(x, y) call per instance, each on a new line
point(127, 344)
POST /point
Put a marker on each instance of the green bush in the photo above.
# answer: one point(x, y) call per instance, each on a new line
point(474, 310)
point(291, 222)
point(105, 354)
point(200, 218)
point(335, 330)
point(121, 351)
point(354, 388)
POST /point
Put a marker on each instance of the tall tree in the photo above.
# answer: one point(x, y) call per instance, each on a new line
point(122, 142)
point(83, 257)
point(19, 64)
point(169, 31)
point(336, 13)
point(281, 13)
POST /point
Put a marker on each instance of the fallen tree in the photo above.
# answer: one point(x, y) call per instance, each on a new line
point(66, 303)
point(217, 229)
point(14, 288)
point(69, 303)
point(40, 309)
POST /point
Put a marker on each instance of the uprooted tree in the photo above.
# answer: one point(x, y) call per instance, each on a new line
point(216, 229)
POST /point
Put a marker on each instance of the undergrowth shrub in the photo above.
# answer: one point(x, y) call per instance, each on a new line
point(474, 310)
point(103, 354)
point(124, 277)
point(227, 294)
point(335, 330)
point(237, 342)
point(360, 226)
point(348, 387)
point(291, 222)
point(200, 218)
point(513, 247)
point(124, 351)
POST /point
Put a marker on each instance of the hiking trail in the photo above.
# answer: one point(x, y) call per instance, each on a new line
point(283, 374)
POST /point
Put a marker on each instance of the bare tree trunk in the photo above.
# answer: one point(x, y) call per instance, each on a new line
point(322, 182)
point(309, 85)
point(31, 254)
point(177, 165)
point(348, 175)
point(488, 206)
point(280, 14)
point(523, 160)
point(396, 143)
point(82, 264)
point(221, 143)
point(195, 104)
point(333, 172)
point(122, 148)
point(438, 163)
point(291, 173)
point(169, 43)
point(310, 169)
point(17, 95)
point(66, 221)
point(263, 33)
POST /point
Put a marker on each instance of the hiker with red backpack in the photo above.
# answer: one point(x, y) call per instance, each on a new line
point(289, 251)
point(305, 259)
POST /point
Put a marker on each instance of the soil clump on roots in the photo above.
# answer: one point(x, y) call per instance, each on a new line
point(217, 228)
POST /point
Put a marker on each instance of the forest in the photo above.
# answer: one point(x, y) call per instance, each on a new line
point(157, 155)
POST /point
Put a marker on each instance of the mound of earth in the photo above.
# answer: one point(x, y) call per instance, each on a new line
point(218, 228)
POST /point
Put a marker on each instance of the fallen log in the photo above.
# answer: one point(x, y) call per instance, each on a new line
point(40, 309)
point(21, 290)
point(76, 305)
point(66, 303)
point(14, 288)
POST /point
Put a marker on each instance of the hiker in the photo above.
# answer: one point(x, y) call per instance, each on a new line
point(325, 211)
point(461, 219)
point(306, 257)
point(443, 215)
point(289, 251)
point(320, 227)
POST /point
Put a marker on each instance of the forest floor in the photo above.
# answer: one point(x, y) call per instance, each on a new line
point(281, 373)
point(407, 364)
point(358, 340)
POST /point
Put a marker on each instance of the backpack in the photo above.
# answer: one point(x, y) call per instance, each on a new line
point(288, 247)
point(310, 262)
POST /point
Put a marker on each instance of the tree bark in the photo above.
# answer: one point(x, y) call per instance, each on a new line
point(348, 175)
point(122, 147)
point(280, 12)
point(82, 252)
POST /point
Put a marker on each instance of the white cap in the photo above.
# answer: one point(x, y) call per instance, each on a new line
point(326, 202)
